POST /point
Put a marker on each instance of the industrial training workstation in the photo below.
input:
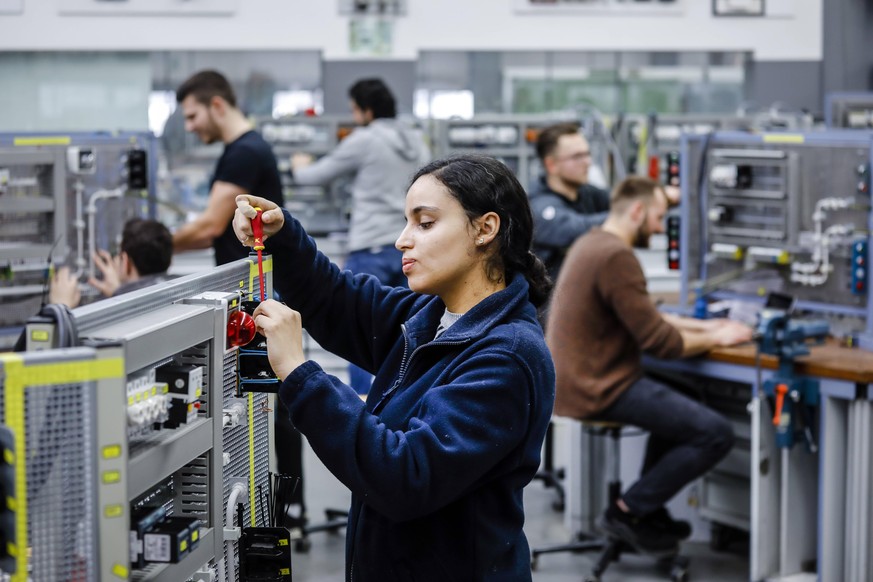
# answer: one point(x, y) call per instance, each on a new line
point(166, 415)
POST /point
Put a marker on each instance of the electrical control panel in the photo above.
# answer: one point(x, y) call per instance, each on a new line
point(62, 197)
point(788, 213)
point(321, 209)
point(512, 139)
point(136, 442)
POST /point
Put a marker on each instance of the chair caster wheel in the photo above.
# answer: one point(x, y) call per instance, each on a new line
point(302, 545)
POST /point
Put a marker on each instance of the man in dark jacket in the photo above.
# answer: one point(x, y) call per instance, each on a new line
point(564, 205)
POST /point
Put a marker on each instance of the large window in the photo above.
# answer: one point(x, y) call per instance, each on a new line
point(611, 82)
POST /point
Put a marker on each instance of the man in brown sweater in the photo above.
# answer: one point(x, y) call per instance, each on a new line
point(602, 320)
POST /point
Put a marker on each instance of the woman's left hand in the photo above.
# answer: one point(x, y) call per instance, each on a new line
point(283, 329)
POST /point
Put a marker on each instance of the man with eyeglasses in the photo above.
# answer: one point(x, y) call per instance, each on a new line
point(564, 205)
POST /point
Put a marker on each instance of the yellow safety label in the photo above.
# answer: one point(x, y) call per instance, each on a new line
point(284, 571)
point(130, 400)
point(39, 335)
point(253, 271)
point(783, 138)
point(195, 535)
point(283, 542)
point(183, 545)
point(62, 372)
point(111, 451)
point(11, 504)
point(12, 549)
point(110, 477)
point(113, 511)
point(42, 141)
point(120, 571)
point(154, 390)
point(8, 457)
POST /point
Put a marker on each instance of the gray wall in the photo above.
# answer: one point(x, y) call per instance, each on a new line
point(848, 46)
point(338, 76)
point(794, 84)
point(847, 62)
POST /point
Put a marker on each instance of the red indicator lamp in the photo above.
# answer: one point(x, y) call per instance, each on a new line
point(241, 329)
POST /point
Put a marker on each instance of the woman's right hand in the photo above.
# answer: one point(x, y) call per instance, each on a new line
point(273, 218)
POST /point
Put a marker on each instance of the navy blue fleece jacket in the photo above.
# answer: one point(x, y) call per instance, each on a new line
point(437, 457)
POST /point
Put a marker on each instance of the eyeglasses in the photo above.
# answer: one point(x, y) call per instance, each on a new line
point(577, 157)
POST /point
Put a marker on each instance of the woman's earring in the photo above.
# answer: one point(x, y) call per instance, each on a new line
point(481, 241)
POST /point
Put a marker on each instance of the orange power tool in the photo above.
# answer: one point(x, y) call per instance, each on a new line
point(258, 235)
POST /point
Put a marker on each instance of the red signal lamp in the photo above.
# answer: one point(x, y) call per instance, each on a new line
point(241, 329)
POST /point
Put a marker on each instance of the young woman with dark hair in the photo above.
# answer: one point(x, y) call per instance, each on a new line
point(438, 455)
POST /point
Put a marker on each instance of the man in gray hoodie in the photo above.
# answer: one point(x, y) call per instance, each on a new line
point(382, 154)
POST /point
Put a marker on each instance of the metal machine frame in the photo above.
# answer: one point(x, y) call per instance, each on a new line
point(693, 251)
point(174, 321)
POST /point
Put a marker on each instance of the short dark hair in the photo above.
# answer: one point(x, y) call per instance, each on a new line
point(374, 95)
point(632, 189)
point(547, 140)
point(148, 244)
point(204, 86)
point(482, 184)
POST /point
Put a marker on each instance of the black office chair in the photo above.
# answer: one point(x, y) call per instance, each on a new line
point(610, 548)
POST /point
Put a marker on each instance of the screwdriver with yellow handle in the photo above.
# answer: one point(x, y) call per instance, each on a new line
point(258, 235)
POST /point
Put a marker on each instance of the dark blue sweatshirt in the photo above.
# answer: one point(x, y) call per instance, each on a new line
point(451, 432)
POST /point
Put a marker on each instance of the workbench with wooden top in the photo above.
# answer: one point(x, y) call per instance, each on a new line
point(807, 509)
